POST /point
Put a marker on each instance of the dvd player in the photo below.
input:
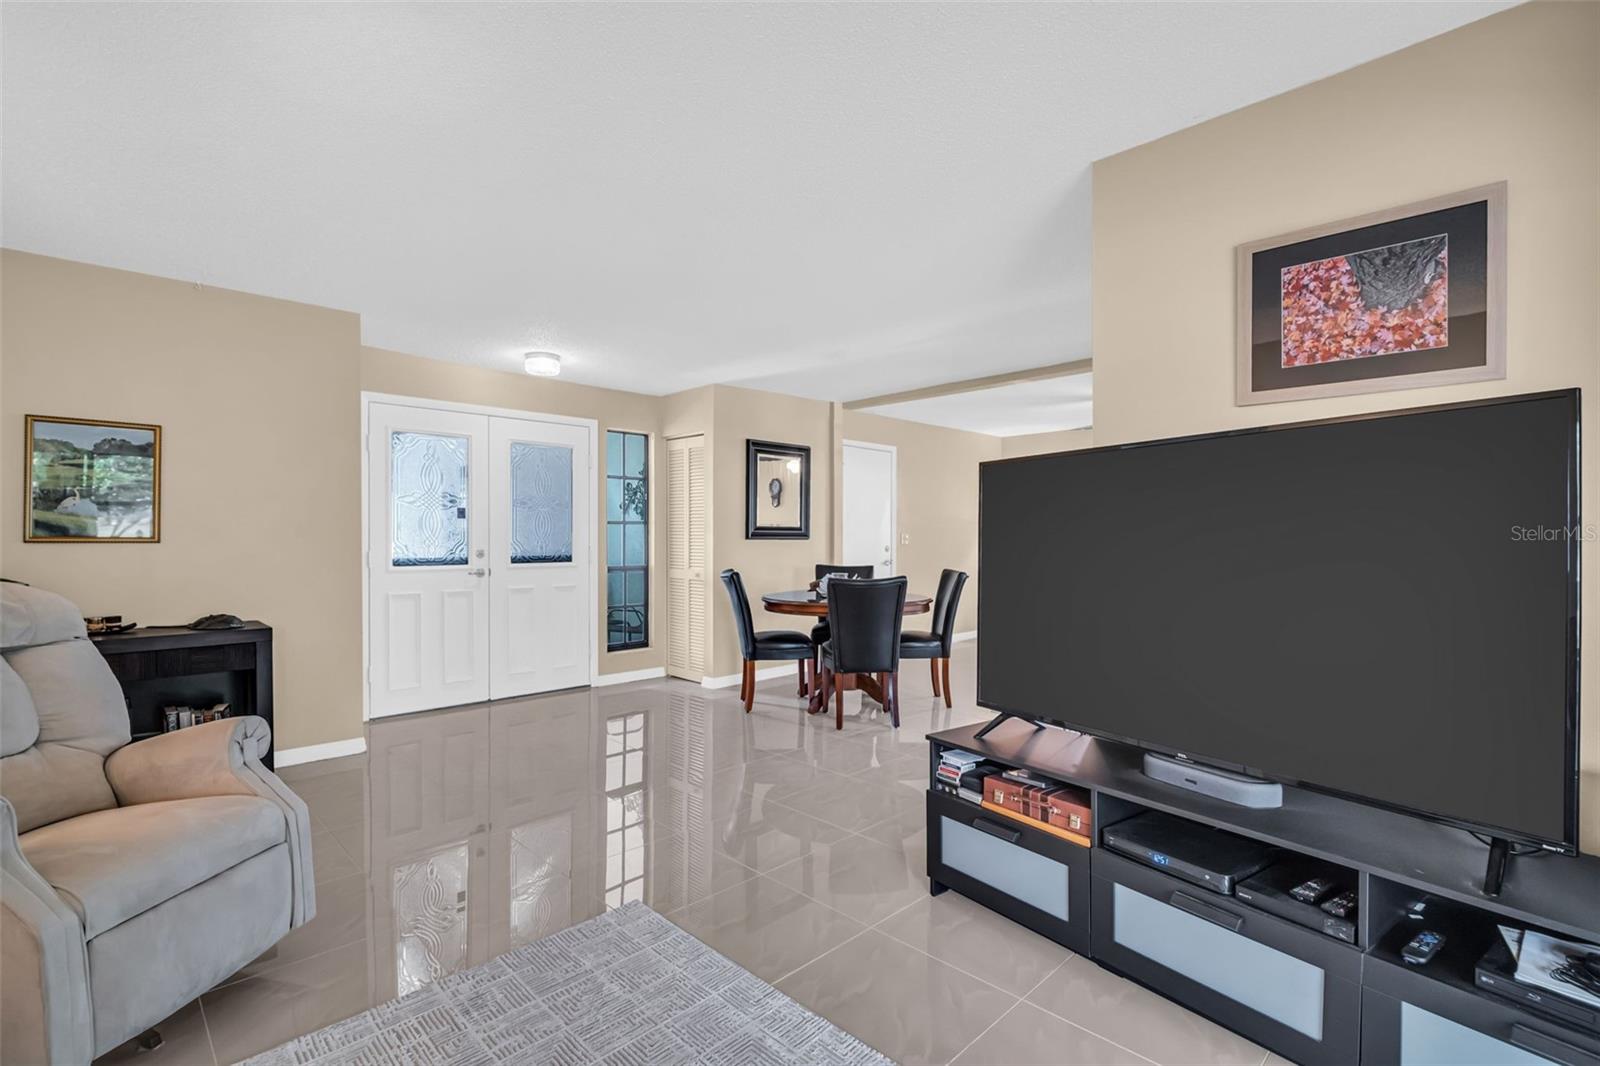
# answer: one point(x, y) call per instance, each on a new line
point(1190, 851)
point(1272, 890)
point(1496, 972)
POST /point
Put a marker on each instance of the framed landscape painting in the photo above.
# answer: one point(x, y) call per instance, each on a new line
point(92, 482)
point(1398, 299)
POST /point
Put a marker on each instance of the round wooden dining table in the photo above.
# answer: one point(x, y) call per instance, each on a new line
point(807, 602)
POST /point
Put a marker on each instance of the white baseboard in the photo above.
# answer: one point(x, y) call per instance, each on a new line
point(649, 673)
point(971, 634)
point(763, 674)
point(334, 749)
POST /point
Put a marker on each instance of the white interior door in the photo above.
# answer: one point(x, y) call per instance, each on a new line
point(428, 542)
point(869, 506)
point(541, 586)
point(686, 557)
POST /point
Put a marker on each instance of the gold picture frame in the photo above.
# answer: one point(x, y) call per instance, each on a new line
point(85, 485)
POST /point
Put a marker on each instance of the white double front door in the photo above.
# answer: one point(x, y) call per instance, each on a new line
point(479, 557)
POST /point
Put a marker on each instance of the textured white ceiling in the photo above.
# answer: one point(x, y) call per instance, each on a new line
point(1040, 406)
point(831, 200)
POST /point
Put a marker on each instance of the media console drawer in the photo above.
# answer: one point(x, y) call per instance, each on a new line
point(1291, 989)
point(1411, 1019)
point(1033, 878)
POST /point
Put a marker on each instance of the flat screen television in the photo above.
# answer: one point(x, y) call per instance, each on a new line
point(1383, 606)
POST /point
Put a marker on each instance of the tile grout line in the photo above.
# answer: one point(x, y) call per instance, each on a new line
point(205, 1023)
point(1003, 1016)
point(1007, 1012)
point(1080, 1025)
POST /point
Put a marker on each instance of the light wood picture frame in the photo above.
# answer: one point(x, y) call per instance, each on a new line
point(1405, 298)
point(91, 481)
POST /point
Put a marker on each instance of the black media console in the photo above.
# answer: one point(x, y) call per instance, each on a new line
point(1304, 993)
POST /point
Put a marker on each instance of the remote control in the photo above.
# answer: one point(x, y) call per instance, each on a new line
point(1343, 905)
point(1313, 890)
point(1422, 948)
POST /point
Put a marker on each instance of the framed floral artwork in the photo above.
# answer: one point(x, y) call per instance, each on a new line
point(1397, 299)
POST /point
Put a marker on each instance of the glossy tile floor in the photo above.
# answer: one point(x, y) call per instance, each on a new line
point(793, 849)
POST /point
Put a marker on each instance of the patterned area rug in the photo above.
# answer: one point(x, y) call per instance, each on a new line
point(628, 988)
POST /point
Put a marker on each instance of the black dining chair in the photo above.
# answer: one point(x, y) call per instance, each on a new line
point(768, 645)
point(864, 616)
point(819, 632)
point(935, 644)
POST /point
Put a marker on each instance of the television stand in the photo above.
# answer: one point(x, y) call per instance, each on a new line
point(1001, 717)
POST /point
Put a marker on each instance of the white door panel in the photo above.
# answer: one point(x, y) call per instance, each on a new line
point(427, 528)
point(869, 507)
point(540, 556)
point(686, 557)
point(479, 554)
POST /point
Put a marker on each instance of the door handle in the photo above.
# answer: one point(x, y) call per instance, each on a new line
point(479, 572)
point(1210, 912)
point(1547, 1046)
point(995, 829)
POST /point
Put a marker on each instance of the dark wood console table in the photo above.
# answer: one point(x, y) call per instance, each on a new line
point(166, 665)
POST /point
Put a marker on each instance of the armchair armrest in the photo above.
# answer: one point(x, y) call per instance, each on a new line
point(217, 759)
point(44, 965)
point(203, 760)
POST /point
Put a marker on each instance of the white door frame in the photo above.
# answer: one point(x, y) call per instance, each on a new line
point(894, 495)
point(370, 398)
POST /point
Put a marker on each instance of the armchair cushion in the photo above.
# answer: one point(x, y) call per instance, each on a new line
point(112, 865)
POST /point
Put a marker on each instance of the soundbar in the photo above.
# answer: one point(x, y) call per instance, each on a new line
point(1219, 784)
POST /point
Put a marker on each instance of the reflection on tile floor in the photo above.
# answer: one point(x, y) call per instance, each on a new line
point(793, 849)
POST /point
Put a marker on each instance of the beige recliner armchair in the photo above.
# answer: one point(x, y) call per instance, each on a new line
point(133, 877)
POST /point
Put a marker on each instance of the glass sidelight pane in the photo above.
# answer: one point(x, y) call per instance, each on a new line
point(635, 539)
point(541, 503)
point(428, 483)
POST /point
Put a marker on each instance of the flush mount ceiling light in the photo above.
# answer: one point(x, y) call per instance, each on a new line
point(542, 364)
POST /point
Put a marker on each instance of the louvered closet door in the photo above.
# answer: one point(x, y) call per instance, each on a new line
point(686, 557)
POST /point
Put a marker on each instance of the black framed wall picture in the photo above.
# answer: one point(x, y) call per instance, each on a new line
point(1399, 299)
point(777, 491)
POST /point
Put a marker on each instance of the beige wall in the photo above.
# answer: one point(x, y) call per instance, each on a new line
point(765, 565)
point(260, 473)
point(1514, 97)
point(1068, 440)
point(409, 375)
point(937, 488)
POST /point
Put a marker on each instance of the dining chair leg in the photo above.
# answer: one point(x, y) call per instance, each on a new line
point(945, 670)
point(933, 668)
point(800, 667)
point(891, 693)
point(838, 704)
point(749, 684)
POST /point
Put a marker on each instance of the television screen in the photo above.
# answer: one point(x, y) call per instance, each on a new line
point(1382, 606)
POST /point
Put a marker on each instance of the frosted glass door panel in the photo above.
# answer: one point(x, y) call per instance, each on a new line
point(541, 556)
point(1426, 1039)
point(541, 503)
point(430, 916)
point(427, 558)
point(428, 485)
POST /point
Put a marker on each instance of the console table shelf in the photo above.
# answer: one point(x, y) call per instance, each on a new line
point(164, 665)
